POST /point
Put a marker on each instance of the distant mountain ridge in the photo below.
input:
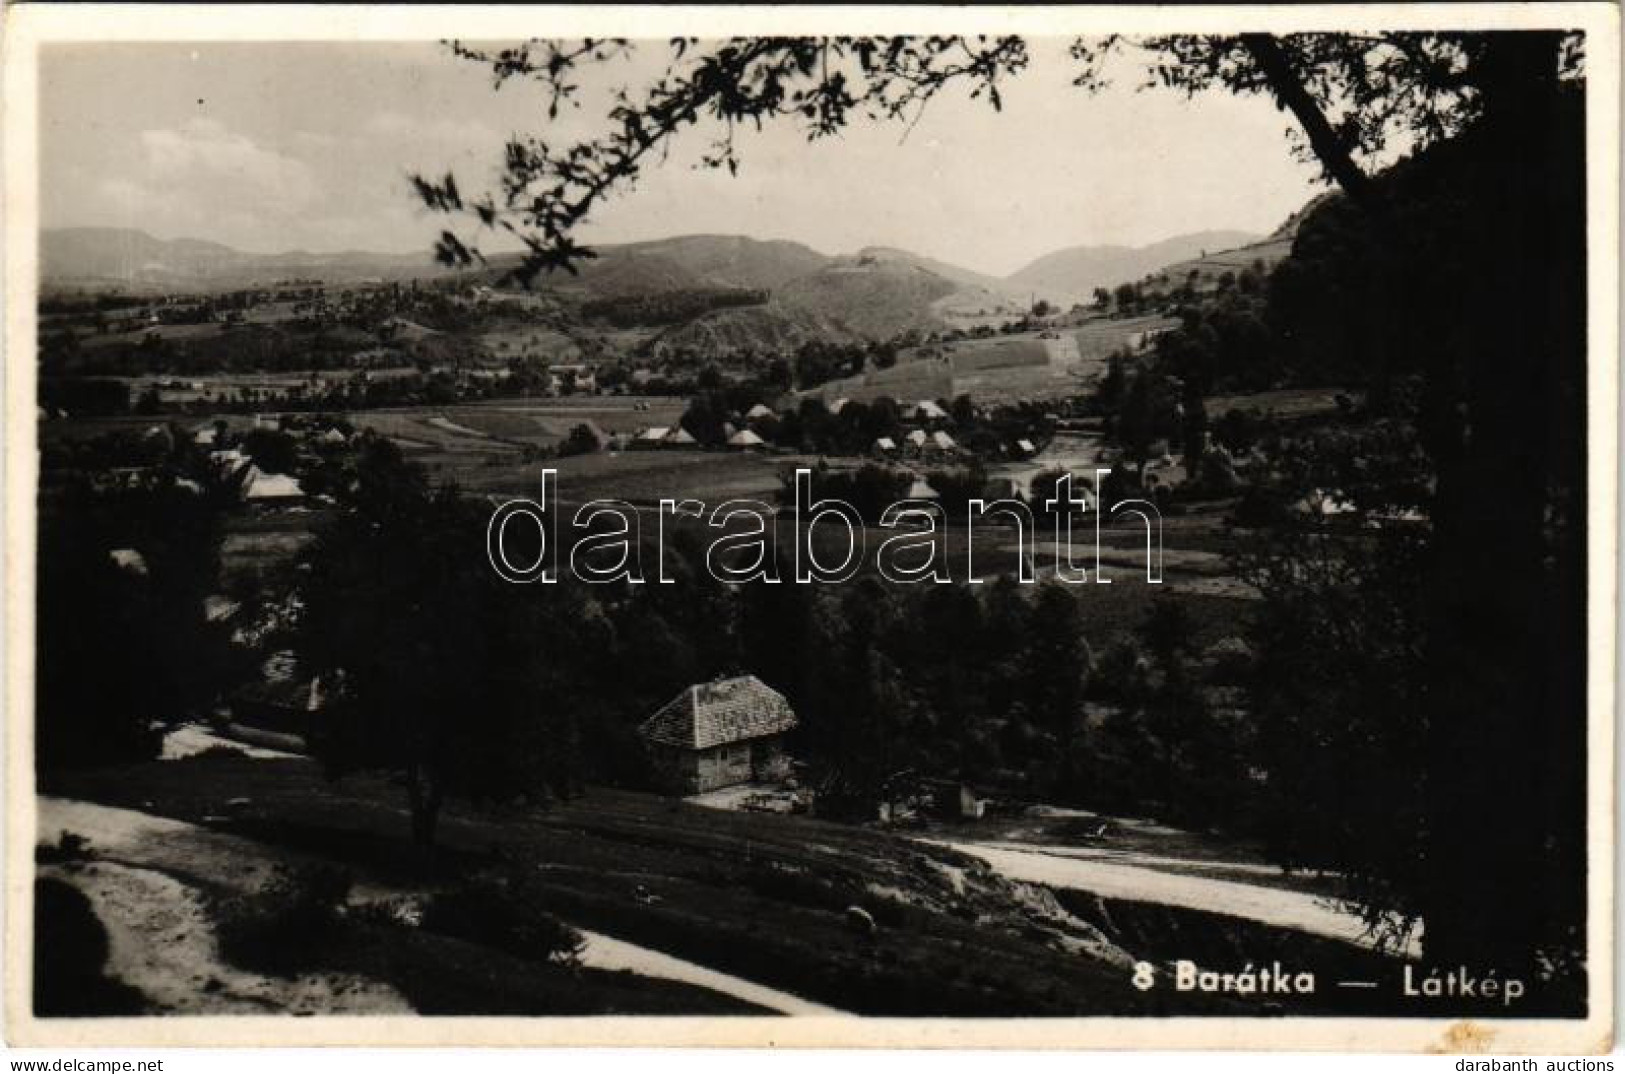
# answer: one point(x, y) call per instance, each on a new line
point(962, 276)
point(876, 293)
point(1268, 251)
point(1078, 270)
point(129, 257)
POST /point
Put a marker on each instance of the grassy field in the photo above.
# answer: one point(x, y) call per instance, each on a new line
point(1097, 340)
point(761, 896)
point(976, 356)
point(258, 543)
point(906, 381)
point(646, 477)
point(530, 341)
point(1002, 369)
point(1270, 251)
point(170, 333)
point(1288, 403)
point(208, 922)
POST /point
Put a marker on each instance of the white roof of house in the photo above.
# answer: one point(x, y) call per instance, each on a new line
point(917, 437)
point(679, 435)
point(717, 713)
point(129, 559)
point(925, 408)
point(655, 432)
point(839, 405)
point(744, 438)
point(259, 485)
point(217, 607)
point(758, 411)
point(943, 440)
point(922, 490)
point(886, 443)
point(1324, 503)
point(1025, 445)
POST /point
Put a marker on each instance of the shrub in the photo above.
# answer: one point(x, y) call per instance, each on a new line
point(504, 913)
point(70, 847)
point(284, 926)
point(798, 888)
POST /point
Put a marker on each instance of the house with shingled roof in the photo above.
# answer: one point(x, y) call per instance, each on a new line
point(718, 734)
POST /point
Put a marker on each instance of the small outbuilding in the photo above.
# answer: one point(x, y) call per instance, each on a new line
point(261, 487)
point(652, 437)
point(718, 734)
point(920, 489)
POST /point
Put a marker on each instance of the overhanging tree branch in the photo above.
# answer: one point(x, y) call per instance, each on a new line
point(1290, 93)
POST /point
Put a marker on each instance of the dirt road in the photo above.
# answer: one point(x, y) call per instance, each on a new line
point(1121, 876)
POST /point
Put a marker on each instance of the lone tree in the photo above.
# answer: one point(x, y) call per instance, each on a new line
point(1500, 396)
point(433, 668)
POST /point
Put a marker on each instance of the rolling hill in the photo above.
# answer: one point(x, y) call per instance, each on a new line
point(684, 262)
point(965, 278)
point(1270, 250)
point(765, 329)
point(1078, 270)
point(130, 258)
point(873, 297)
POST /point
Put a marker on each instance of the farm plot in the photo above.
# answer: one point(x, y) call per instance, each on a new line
point(989, 354)
point(642, 477)
point(169, 333)
point(1287, 404)
point(531, 341)
point(257, 544)
point(613, 414)
point(1097, 340)
point(1003, 368)
point(444, 447)
point(925, 379)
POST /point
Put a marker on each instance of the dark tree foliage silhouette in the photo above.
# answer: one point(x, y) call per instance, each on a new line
point(1338, 689)
point(125, 644)
point(433, 667)
point(1500, 628)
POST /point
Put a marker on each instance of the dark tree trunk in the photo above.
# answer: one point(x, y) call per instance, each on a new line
point(1194, 427)
point(1503, 419)
point(425, 796)
point(1290, 93)
point(1502, 718)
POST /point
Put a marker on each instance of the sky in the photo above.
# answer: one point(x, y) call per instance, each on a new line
point(283, 146)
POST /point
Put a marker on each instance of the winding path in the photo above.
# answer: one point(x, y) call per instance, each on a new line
point(146, 912)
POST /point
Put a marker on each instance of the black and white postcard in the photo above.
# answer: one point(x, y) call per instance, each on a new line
point(1057, 527)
